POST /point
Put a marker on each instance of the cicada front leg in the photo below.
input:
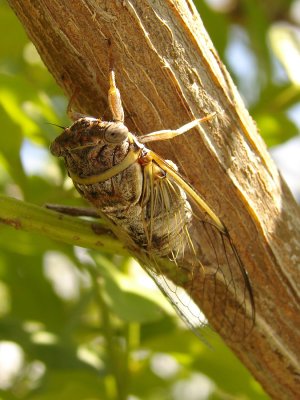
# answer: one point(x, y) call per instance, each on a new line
point(114, 96)
point(167, 134)
point(74, 115)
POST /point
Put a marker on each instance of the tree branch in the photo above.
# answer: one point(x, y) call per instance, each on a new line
point(77, 232)
point(168, 73)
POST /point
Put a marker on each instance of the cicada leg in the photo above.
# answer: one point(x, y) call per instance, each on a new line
point(73, 211)
point(167, 134)
point(73, 115)
point(114, 96)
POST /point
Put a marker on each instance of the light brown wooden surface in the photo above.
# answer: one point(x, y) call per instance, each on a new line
point(168, 73)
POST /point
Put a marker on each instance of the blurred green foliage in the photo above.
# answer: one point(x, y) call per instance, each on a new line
point(80, 325)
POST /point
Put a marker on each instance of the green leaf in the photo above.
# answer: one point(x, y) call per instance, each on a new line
point(71, 384)
point(126, 298)
point(285, 42)
point(276, 128)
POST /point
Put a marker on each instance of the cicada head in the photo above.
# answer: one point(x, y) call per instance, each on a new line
point(91, 145)
point(88, 132)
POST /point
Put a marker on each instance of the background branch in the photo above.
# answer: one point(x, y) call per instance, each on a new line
point(169, 73)
point(77, 232)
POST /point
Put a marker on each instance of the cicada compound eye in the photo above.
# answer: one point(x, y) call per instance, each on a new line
point(116, 132)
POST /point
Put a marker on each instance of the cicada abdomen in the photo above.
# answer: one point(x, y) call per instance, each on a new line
point(179, 240)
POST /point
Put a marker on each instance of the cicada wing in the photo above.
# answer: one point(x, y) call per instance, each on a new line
point(200, 257)
point(184, 306)
point(220, 283)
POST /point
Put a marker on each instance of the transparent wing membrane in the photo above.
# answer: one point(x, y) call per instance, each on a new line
point(204, 264)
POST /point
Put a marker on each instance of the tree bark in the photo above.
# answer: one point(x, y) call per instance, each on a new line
point(169, 73)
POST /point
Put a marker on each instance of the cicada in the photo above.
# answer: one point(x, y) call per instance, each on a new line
point(179, 240)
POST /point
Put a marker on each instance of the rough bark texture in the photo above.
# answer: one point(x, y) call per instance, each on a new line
point(169, 73)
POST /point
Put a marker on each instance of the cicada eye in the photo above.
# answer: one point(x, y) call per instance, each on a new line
point(116, 133)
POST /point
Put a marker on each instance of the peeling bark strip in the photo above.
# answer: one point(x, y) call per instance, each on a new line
point(169, 73)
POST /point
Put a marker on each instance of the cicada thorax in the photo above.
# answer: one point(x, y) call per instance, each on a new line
point(138, 198)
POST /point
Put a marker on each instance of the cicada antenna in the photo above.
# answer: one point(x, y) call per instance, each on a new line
point(58, 126)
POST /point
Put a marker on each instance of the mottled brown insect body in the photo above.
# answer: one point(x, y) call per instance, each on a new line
point(90, 147)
